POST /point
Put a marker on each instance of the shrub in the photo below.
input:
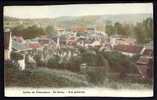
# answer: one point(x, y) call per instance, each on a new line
point(53, 62)
point(120, 63)
point(16, 56)
point(95, 75)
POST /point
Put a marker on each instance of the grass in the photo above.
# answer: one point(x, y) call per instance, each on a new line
point(127, 84)
point(45, 77)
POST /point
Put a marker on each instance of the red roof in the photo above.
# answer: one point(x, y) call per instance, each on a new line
point(128, 48)
point(34, 45)
point(143, 60)
point(148, 52)
point(79, 29)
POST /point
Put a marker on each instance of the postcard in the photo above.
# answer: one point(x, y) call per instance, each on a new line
point(73, 50)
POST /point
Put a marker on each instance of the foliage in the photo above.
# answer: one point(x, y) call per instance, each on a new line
point(51, 30)
point(53, 62)
point(16, 56)
point(28, 32)
point(120, 63)
point(42, 77)
point(95, 76)
point(135, 58)
point(144, 31)
point(109, 29)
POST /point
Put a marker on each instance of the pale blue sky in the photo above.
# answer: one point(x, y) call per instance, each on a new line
point(76, 10)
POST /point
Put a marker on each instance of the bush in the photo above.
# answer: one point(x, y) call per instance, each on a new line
point(53, 62)
point(95, 75)
point(16, 56)
point(13, 76)
point(120, 63)
point(135, 57)
point(42, 77)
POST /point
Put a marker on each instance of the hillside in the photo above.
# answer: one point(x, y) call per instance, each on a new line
point(69, 21)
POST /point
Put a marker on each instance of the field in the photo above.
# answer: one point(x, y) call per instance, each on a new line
point(46, 77)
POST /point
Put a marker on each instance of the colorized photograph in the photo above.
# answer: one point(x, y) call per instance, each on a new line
point(100, 50)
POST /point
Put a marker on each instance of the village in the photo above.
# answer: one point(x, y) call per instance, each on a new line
point(32, 53)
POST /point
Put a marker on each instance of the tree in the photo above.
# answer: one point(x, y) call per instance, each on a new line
point(117, 27)
point(126, 30)
point(50, 30)
point(139, 33)
point(29, 32)
point(144, 31)
point(120, 63)
point(18, 30)
point(109, 29)
point(148, 28)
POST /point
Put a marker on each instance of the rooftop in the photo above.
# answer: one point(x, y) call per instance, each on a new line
point(19, 46)
point(128, 48)
point(143, 60)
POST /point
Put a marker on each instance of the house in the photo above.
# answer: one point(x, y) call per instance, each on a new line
point(80, 29)
point(60, 30)
point(35, 45)
point(91, 30)
point(148, 49)
point(145, 66)
point(19, 47)
point(107, 47)
point(44, 41)
point(147, 52)
point(129, 50)
point(21, 63)
point(126, 41)
point(122, 40)
point(19, 39)
point(71, 40)
point(7, 44)
point(145, 62)
point(21, 50)
point(96, 44)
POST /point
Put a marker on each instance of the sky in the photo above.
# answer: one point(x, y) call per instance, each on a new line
point(53, 11)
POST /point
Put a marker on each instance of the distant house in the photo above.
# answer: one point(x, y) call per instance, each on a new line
point(60, 30)
point(96, 44)
point(145, 67)
point(19, 59)
point(129, 50)
point(19, 47)
point(21, 62)
point(108, 47)
point(91, 30)
point(147, 52)
point(79, 29)
point(7, 44)
point(19, 39)
point(71, 40)
point(145, 62)
point(44, 41)
point(122, 40)
point(35, 46)
point(148, 49)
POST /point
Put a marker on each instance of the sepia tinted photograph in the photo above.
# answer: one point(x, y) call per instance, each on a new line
point(99, 50)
